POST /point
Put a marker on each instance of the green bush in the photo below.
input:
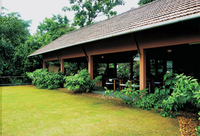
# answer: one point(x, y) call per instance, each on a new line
point(80, 82)
point(182, 98)
point(180, 93)
point(129, 95)
point(44, 79)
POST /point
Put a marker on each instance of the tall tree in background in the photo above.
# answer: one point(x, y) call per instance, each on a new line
point(88, 10)
point(49, 30)
point(16, 43)
point(142, 2)
point(52, 28)
point(13, 32)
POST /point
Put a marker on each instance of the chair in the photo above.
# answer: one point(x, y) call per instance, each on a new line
point(122, 83)
point(109, 81)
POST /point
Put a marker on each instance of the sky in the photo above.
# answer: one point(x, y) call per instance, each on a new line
point(37, 10)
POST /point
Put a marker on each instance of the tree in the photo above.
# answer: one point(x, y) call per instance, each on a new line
point(87, 11)
point(52, 28)
point(13, 32)
point(16, 43)
point(142, 2)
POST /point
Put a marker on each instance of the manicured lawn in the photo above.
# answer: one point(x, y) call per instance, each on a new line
point(31, 111)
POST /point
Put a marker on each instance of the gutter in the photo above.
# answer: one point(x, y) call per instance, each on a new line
point(130, 31)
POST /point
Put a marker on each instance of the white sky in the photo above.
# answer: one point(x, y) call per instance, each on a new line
point(37, 10)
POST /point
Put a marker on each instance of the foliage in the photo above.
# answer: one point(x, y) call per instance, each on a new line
point(142, 2)
point(180, 93)
point(80, 82)
point(14, 32)
point(139, 98)
point(13, 28)
point(123, 70)
point(87, 11)
point(136, 68)
point(52, 28)
point(16, 43)
point(70, 68)
point(182, 98)
point(44, 79)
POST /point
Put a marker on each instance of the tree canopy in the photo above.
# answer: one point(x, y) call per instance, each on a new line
point(142, 2)
point(16, 43)
point(14, 32)
point(88, 10)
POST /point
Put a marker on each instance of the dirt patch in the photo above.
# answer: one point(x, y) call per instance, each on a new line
point(188, 123)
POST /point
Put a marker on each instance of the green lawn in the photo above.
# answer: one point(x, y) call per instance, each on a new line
point(27, 110)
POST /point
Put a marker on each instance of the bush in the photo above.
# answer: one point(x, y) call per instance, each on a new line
point(44, 79)
point(180, 93)
point(129, 95)
point(182, 98)
point(80, 82)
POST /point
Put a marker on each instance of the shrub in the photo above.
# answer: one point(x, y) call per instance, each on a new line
point(80, 82)
point(180, 93)
point(44, 79)
point(129, 95)
point(140, 98)
point(182, 98)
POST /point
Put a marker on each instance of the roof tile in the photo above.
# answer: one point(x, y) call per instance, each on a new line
point(155, 12)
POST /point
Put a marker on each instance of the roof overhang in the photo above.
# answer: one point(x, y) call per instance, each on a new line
point(189, 17)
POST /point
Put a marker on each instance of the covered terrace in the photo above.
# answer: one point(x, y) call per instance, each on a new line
point(165, 33)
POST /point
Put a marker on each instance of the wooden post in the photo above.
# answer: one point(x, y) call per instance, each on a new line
point(142, 69)
point(90, 67)
point(62, 68)
point(44, 64)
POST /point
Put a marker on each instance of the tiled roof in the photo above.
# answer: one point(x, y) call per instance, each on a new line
point(147, 16)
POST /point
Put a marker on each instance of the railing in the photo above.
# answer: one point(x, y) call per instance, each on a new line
point(14, 80)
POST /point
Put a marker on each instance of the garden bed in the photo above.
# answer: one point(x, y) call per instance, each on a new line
point(188, 123)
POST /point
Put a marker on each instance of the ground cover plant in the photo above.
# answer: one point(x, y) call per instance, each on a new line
point(27, 110)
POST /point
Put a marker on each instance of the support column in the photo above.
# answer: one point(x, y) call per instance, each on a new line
point(62, 68)
point(142, 69)
point(44, 64)
point(90, 67)
point(131, 69)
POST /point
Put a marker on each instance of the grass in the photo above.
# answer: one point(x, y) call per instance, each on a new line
point(27, 110)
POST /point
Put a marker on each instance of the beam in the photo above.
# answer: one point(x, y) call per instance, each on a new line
point(90, 66)
point(85, 54)
point(138, 49)
point(57, 57)
point(142, 69)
